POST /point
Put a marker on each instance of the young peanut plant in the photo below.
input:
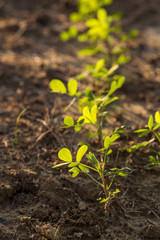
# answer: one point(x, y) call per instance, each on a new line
point(153, 127)
point(92, 108)
point(76, 167)
point(103, 33)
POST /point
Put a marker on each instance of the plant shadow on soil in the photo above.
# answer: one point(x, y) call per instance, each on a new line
point(37, 203)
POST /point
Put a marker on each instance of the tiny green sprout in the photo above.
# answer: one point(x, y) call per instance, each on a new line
point(14, 141)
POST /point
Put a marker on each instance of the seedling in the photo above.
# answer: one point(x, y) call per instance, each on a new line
point(153, 127)
point(14, 141)
point(103, 33)
point(77, 167)
point(92, 107)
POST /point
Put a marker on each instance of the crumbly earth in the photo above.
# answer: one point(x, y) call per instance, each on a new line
point(36, 202)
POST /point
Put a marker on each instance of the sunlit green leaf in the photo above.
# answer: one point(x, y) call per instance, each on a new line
point(60, 165)
point(114, 137)
point(57, 86)
point(101, 15)
point(94, 114)
point(143, 132)
point(122, 174)
point(90, 117)
point(81, 151)
point(99, 64)
point(68, 121)
point(91, 22)
point(82, 37)
point(93, 159)
point(109, 152)
point(150, 122)
point(72, 87)
point(65, 36)
point(83, 168)
point(107, 142)
point(73, 164)
point(75, 171)
point(75, 17)
point(78, 127)
point(73, 32)
point(157, 117)
point(65, 155)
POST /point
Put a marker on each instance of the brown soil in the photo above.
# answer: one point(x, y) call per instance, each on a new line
point(37, 203)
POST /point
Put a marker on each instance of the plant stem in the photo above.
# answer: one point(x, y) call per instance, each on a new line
point(156, 136)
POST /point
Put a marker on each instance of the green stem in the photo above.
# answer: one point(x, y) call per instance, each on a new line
point(156, 136)
point(111, 181)
point(94, 179)
point(88, 167)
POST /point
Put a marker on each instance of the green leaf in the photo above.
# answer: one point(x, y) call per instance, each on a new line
point(89, 51)
point(150, 122)
point(102, 15)
point(93, 159)
point(133, 33)
point(143, 132)
point(122, 174)
point(65, 155)
point(94, 114)
point(89, 94)
point(107, 142)
point(156, 127)
point(102, 200)
point(83, 168)
point(60, 165)
point(65, 36)
point(75, 171)
point(78, 127)
point(91, 22)
point(120, 82)
point(157, 117)
point(152, 159)
point(81, 120)
point(109, 152)
point(81, 151)
point(125, 169)
point(73, 32)
point(82, 37)
point(72, 87)
point(68, 121)
point(90, 117)
point(112, 88)
point(73, 164)
point(75, 17)
point(57, 86)
point(99, 64)
point(114, 137)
